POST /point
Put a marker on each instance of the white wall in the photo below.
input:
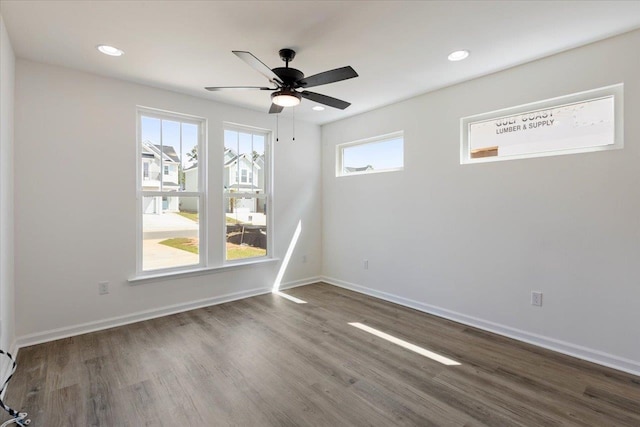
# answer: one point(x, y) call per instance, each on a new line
point(7, 68)
point(472, 241)
point(71, 130)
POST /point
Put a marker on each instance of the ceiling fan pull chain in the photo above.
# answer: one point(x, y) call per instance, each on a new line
point(294, 123)
point(277, 128)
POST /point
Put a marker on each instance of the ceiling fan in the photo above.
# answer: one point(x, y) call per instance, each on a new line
point(289, 81)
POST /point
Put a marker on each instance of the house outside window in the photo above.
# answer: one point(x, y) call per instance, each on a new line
point(170, 230)
point(246, 192)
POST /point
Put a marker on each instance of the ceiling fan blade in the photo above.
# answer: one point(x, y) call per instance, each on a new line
point(218, 88)
point(324, 99)
point(259, 66)
point(327, 77)
point(275, 109)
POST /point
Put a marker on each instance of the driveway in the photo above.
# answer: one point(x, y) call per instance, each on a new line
point(168, 225)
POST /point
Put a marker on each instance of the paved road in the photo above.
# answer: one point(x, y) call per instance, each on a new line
point(169, 234)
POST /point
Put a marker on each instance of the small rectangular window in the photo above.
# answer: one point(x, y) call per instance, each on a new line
point(583, 122)
point(166, 169)
point(383, 153)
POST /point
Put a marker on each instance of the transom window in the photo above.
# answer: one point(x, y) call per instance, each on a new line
point(578, 123)
point(383, 153)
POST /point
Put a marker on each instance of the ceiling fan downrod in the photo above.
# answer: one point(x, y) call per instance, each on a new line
point(287, 55)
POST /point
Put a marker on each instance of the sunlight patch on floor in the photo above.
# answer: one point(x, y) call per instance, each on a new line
point(422, 351)
point(289, 297)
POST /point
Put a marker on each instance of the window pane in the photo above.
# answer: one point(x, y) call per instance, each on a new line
point(150, 153)
point(231, 171)
point(246, 227)
point(256, 176)
point(189, 157)
point(170, 232)
point(373, 156)
point(573, 126)
point(170, 147)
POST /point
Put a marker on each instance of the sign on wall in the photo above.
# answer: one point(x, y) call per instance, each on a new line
point(558, 128)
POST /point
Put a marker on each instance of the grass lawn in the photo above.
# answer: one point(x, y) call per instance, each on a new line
point(193, 216)
point(233, 251)
point(231, 220)
point(239, 251)
point(184, 243)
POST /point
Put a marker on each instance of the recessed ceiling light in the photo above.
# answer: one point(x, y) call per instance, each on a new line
point(318, 108)
point(109, 50)
point(458, 55)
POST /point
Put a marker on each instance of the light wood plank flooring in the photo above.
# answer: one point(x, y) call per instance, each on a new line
point(267, 361)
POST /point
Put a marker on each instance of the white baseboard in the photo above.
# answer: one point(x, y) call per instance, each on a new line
point(580, 352)
point(83, 328)
point(301, 282)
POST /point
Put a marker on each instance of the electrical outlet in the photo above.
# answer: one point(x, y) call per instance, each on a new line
point(536, 298)
point(103, 288)
point(365, 264)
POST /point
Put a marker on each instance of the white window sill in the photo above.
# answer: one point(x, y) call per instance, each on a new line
point(199, 271)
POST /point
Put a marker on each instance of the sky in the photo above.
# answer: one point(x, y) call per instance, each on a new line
point(380, 155)
point(242, 143)
point(171, 136)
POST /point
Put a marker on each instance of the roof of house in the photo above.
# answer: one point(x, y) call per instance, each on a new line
point(360, 169)
point(169, 151)
point(231, 157)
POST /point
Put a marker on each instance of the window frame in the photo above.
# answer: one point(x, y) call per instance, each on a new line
point(616, 91)
point(202, 192)
point(267, 195)
point(372, 140)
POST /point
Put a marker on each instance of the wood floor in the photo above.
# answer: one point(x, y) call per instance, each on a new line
point(267, 361)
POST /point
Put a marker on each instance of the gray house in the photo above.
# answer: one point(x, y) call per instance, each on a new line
point(160, 172)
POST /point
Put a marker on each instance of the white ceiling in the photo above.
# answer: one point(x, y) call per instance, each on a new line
point(398, 48)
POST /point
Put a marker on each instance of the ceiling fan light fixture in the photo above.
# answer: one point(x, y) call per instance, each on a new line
point(286, 98)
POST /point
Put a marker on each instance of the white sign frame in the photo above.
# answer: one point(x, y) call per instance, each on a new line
point(613, 91)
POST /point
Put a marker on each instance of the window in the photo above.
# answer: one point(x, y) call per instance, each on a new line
point(583, 122)
point(383, 153)
point(246, 192)
point(170, 203)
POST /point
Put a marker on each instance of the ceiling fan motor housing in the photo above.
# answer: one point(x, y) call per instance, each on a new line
point(288, 75)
